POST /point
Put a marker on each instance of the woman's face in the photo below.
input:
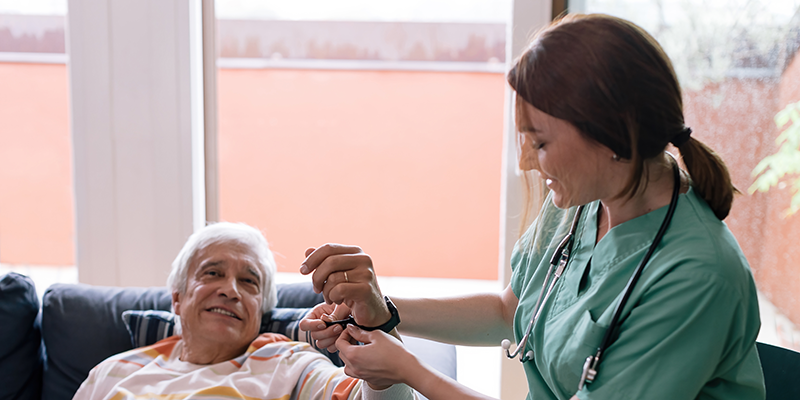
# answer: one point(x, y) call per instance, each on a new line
point(575, 169)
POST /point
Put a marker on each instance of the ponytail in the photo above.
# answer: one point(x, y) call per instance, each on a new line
point(709, 175)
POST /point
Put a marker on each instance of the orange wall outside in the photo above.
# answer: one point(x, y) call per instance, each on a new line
point(779, 275)
point(36, 209)
point(734, 118)
point(404, 164)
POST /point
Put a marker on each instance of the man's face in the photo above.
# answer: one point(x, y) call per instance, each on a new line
point(222, 300)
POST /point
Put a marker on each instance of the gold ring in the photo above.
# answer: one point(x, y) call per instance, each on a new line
point(345, 277)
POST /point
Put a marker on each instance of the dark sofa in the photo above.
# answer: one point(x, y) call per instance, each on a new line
point(46, 352)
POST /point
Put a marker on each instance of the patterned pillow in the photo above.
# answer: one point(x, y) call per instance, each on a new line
point(149, 326)
point(286, 321)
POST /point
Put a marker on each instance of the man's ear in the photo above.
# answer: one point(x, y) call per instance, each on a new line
point(176, 303)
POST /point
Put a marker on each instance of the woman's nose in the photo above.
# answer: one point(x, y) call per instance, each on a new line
point(528, 160)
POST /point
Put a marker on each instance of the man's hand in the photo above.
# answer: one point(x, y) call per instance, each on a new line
point(314, 323)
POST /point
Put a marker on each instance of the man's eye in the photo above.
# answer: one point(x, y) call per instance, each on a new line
point(212, 273)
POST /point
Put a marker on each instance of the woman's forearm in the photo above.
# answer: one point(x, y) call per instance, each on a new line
point(436, 386)
point(478, 319)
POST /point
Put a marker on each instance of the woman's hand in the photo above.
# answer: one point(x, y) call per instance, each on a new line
point(344, 275)
point(381, 360)
point(314, 323)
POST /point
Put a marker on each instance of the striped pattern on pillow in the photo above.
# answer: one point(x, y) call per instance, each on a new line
point(149, 326)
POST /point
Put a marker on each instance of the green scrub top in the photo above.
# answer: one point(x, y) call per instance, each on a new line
point(688, 330)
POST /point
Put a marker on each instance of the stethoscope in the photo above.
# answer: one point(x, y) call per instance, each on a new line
point(559, 263)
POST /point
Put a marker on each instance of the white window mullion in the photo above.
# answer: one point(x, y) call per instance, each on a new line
point(527, 17)
point(136, 90)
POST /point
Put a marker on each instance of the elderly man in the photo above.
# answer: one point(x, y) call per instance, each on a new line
point(222, 282)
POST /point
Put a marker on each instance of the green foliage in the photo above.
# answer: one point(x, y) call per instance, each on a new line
point(785, 161)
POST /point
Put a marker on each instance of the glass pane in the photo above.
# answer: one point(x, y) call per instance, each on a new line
point(737, 63)
point(370, 123)
point(36, 200)
point(366, 124)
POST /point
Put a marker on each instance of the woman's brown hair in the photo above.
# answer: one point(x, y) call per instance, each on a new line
point(614, 83)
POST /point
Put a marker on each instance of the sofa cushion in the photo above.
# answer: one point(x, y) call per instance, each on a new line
point(82, 326)
point(20, 338)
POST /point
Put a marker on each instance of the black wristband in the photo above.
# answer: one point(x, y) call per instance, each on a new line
point(393, 321)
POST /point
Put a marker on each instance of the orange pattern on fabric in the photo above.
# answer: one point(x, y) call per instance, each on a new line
point(257, 358)
point(163, 346)
point(305, 379)
point(343, 389)
point(224, 391)
point(130, 362)
point(266, 338)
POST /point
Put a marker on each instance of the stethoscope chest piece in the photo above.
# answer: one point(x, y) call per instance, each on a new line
point(589, 371)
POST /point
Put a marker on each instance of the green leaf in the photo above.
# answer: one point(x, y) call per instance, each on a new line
point(786, 161)
point(782, 117)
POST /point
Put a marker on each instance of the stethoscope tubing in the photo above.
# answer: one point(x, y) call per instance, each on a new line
point(614, 325)
point(560, 257)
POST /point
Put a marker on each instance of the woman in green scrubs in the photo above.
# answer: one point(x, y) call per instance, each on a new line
point(597, 105)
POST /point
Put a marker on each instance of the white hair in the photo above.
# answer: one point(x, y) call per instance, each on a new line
point(227, 232)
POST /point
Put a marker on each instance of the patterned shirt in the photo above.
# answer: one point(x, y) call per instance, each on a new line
point(273, 367)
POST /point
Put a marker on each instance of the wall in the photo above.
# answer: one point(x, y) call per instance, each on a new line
point(734, 118)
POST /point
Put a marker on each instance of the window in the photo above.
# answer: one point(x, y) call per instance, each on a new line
point(369, 123)
point(36, 205)
point(738, 66)
point(357, 127)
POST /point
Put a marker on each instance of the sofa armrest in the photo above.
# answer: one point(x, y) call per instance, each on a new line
point(20, 358)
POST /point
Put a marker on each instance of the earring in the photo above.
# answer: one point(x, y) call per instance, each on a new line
point(615, 157)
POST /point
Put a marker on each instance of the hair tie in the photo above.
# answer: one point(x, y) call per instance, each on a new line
point(681, 138)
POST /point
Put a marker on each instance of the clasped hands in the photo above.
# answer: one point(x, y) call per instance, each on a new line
point(346, 279)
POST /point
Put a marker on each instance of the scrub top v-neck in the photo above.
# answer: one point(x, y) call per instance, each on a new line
point(688, 330)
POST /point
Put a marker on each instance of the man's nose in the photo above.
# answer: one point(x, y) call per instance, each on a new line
point(230, 289)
